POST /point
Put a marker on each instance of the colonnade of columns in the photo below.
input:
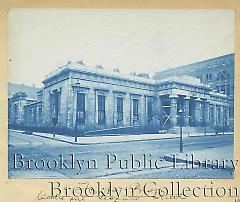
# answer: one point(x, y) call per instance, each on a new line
point(195, 111)
point(33, 116)
point(110, 99)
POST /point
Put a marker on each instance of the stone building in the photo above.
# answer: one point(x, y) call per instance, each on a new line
point(82, 98)
point(16, 104)
point(218, 72)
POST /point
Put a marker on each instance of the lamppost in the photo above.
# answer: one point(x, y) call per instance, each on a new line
point(205, 128)
point(54, 121)
point(224, 122)
point(76, 128)
point(181, 126)
point(203, 123)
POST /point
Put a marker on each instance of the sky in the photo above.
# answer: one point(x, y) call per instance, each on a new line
point(141, 40)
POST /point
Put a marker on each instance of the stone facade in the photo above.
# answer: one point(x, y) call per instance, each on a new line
point(82, 98)
point(33, 115)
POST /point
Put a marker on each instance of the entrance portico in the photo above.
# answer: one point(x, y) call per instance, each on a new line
point(194, 100)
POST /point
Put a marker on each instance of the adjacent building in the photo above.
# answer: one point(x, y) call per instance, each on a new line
point(16, 104)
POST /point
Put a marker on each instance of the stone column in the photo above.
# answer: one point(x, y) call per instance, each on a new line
point(221, 115)
point(90, 109)
point(227, 116)
point(186, 111)
point(63, 107)
point(142, 110)
point(127, 110)
point(198, 112)
point(70, 104)
point(46, 108)
point(37, 117)
point(215, 115)
point(173, 110)
point(206, 112)
point(74, 103)
point(115, 110)
point(109, 111)
point(158, 113)
point(96, 109)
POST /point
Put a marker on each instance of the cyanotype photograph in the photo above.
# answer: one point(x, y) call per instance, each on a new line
point(121, 93)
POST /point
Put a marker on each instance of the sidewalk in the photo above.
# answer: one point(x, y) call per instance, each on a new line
point(209, 134)
point(106, 139)
point(101, 139)
point(159, 150)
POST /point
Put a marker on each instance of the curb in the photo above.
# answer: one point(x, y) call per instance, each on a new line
point(78, 143)
point(104, 142)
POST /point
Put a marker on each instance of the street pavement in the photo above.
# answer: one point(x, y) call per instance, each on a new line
point(42, 157)
point(111, 138)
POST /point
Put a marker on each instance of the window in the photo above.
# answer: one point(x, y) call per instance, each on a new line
point(150, 111)
point(80, 115)
point(212, 115)
point(222, 89)
point(225, 116)
point(210, 76)
point(219, 115)
point(227, 89)
point(35, 116)
point(40, 111)
point(101, 109)
point(54, 106)
point(119, 109)
point(15, 111)
point(231, 112)
point(135, 109)
point(200, 77)
point(40, 114)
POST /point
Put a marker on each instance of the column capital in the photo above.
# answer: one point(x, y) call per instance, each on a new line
point(101, 90)
point(187, 98)
point(173, 96)
point(198, 99)
point(119, 94)
point(135, 96)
